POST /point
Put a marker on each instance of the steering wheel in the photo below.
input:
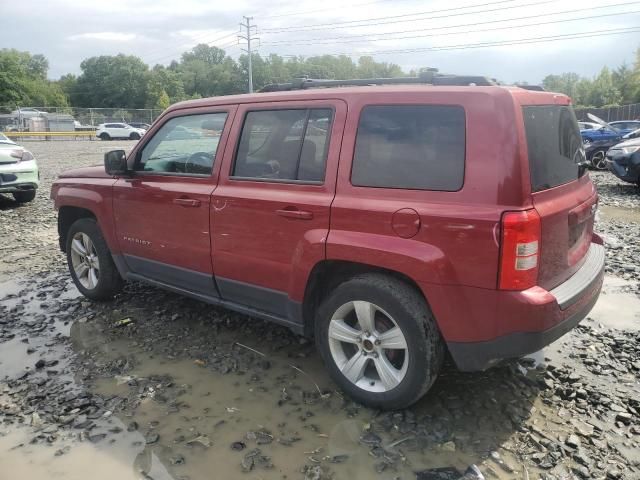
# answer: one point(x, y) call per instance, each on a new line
point(199, 162)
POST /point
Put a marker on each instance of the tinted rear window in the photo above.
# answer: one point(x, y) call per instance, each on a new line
point(419, 147)
point(554, 145)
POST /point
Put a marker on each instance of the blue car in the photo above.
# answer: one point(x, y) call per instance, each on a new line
point(614, 131)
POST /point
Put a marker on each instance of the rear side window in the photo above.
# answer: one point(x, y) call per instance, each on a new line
point(285, 145)
point(419, 147)
point(554, 145)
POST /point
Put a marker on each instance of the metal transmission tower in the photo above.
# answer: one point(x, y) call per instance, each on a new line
point(250, 30)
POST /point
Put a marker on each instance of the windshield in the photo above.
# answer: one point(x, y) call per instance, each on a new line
point(4, 139)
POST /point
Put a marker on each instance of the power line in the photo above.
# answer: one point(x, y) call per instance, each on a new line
point(350, 23)
point(327, 40)
point(501, 43)
point(182, 51)
point(291, 14)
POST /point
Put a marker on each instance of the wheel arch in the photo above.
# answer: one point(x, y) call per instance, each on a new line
point(67, 216)
point(326, 275)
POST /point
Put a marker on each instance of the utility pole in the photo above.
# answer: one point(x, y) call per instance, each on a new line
point(248, 38)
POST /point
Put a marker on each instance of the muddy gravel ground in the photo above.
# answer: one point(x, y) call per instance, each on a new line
point(156, 386)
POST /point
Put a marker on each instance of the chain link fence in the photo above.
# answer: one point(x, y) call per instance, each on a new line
point(69, 119)
point(611, 114)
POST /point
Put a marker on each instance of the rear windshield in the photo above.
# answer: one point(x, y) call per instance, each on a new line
point(554, 145)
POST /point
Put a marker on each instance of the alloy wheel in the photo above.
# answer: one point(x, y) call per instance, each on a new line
point(598, 160)
point(84, 260)
point(368, 346)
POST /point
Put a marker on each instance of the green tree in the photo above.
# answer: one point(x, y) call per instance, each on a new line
point(566, 83)
point(623, 80)
point(111, 81)
point(604, 91)
point(635, 79)
point(208, 71)
point(23, 81)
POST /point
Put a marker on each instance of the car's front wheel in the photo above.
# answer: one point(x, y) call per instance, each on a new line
point(24, 196)
point(134, 136)
point(105, 136)
point(379, 341)
point(90, 262)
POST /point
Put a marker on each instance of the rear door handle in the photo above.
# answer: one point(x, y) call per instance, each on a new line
point(298, 214)
point(186, 202)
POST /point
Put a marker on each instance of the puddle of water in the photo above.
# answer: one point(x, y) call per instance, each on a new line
point(103, 461)
point(226, 407)
point(616, 307)
point(620, 213)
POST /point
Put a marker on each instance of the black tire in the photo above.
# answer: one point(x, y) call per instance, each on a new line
point(109, 281)
point(598, 160)
point(412, 315)
point(134, 136)
point(24, 196)
point(105, 136)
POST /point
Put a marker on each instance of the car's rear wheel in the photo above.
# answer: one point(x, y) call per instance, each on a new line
point(105, 136)
point(379, 341)
point(134, 136)
point(24, 196)
point(599, 160)
point(90, 262)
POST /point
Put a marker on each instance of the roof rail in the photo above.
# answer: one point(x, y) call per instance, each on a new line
point(429, 76)
point(535, 88)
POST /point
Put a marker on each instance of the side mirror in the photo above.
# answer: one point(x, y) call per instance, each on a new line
point(115, 162)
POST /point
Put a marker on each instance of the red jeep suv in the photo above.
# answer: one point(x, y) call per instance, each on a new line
point(393, 223)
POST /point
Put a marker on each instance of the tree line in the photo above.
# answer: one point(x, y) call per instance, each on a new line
point(112, 81)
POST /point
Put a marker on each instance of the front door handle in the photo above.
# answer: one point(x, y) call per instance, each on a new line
point(186, 202)
point(295, 213)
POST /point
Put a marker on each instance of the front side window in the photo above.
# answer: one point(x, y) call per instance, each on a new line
point(184, 145)
point(284, 145)
point(419, 147)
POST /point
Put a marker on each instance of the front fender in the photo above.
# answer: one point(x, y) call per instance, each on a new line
point(92, 194)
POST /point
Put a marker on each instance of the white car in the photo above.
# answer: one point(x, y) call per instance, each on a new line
point(18, 171)
point(109, 131)
point(28, 113)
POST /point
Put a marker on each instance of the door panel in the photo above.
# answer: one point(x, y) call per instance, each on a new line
point(162, 212)
point(267, 229)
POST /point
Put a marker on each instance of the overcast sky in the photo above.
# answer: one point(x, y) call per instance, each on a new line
point(445, 34)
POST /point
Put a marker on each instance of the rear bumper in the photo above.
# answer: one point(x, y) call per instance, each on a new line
point(537, 317)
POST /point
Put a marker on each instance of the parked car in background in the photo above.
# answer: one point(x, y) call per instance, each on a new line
point(110, 131)
point(377, 220)
point(623, 160)
point(625, 126)
point(19, 174)
point(598, 140)
point(588, 126)
point(596, 151)
point(143, 126)
point(29, 112)
point(602, 133)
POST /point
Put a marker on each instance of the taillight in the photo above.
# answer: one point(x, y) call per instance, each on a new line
point(519, 251)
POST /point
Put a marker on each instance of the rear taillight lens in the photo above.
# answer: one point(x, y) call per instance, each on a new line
point(519, 250)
